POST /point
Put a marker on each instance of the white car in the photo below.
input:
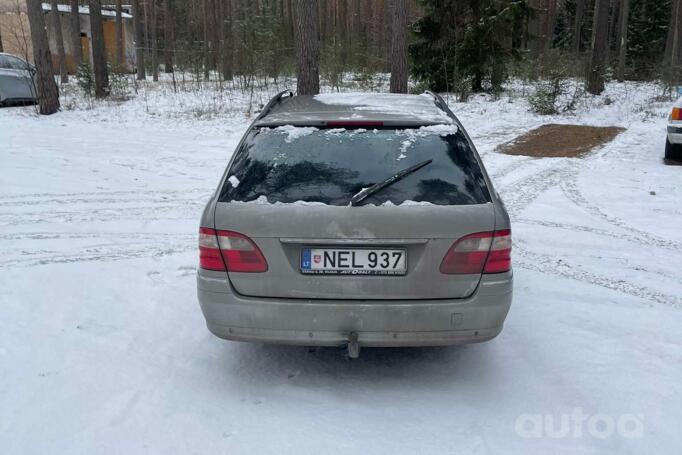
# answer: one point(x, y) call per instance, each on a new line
point(673, 144)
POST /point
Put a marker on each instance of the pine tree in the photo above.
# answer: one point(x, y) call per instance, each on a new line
point(48, 93)
point(457, 40)
point(307, 47)
point(99, 56)
point(647, 33)
point(75, 35)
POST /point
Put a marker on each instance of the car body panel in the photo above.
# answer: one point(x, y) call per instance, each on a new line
point(427, 232)
point(16, 84)
point(317, 322)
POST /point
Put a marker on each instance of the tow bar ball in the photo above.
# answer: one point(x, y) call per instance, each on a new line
point(353, 346)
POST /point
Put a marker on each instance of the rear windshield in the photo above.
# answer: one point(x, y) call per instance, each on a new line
point(290, 164)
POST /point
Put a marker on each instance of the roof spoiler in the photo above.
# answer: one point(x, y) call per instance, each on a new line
point(441, 104)
point(273, 102)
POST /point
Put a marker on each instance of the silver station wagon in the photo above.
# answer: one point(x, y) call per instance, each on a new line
point(355, 220)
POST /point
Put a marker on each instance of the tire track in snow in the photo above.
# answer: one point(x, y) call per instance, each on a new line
point(87, 235)
point(521, 193)
point(89, 207)
point(557, 266)
point(99, 254)
point(570, 189)
point(149, 213)
point(632, 238)
point(107, 200)
point(45, 196)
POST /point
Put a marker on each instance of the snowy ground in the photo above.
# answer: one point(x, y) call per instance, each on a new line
point(103, 348)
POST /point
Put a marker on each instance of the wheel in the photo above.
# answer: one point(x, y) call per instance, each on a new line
point(673, 151)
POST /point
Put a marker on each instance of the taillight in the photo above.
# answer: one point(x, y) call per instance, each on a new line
point(482, 252)
point(209, 251)
point(499, 259)
point(229, 251)
point(676, 114)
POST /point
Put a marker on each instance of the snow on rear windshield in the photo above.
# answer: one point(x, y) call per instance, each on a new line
point(329, 166)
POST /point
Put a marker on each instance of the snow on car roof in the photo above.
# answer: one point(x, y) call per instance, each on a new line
point(390, 109)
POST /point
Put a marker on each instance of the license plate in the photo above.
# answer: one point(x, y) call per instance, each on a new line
point(353, 261)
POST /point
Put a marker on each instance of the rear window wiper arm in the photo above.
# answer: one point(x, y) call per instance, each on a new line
point(359, 197)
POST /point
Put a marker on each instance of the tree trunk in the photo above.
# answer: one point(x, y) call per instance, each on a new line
point(99, 57)
point(623, 43)
point(168, 36)
point(207, 51)
point(307, 48)
point(147, 45)
point(217, 25)
point(597, 67)
point(155, 42)
point(399, 48)
point(578, 26)
point(672, 45)
point(76, 35)
point(120, 61)
point(139, 38)
point(550, 23)
point(1, 48)
point(290, 20)
point(48, 93)
point(613, 27)
point(228, 45)
point(677, 36)
point(59, 38)
point(221, 20)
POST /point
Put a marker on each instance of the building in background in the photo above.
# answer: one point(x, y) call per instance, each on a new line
point(16, 35)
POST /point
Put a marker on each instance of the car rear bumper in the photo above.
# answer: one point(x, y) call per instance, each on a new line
point(377, 323)
point(675, 134)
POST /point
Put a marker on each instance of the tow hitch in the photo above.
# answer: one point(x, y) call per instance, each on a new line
point(353, 346)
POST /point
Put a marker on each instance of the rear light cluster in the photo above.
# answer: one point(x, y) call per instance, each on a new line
point(676, 114)
point(483, 252)
point(229, 251)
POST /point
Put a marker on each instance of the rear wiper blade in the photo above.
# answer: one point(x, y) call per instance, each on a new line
point(358, 198)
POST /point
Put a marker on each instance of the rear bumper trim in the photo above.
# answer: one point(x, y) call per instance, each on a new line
point(365, 339)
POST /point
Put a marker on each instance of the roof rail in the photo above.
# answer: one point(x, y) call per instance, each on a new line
point(441, 104)
point(273, 102)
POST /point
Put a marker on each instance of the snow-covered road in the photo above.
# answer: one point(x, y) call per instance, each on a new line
point(103, 348)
